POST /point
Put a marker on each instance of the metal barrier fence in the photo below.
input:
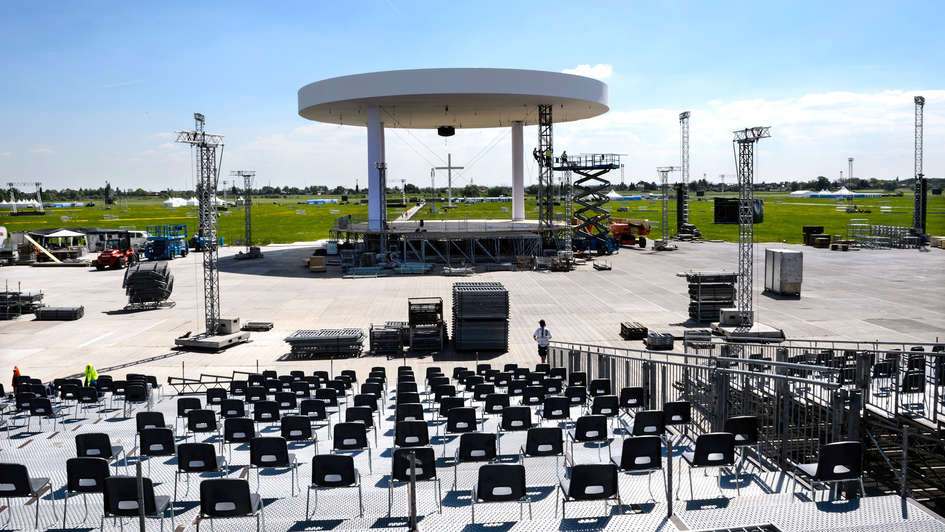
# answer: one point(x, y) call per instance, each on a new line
point(799, 407)
point(896, 379)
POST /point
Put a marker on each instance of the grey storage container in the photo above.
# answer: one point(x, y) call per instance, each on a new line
point(784, 271)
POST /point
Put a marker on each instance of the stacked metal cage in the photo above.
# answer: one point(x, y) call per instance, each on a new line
point(325, 343)
point(709, 293)
point(386, 341)
point(659, 341)
point(480, 316)
point(59, 313)
point(148, 283)
point(427, 331)
point(15, 304)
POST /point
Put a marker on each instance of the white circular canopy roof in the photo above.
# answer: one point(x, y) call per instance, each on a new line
point(458, 97)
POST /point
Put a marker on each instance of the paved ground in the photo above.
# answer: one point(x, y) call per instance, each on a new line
point(888, 295)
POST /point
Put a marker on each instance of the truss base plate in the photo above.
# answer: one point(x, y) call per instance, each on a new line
point(212, 343)
point(758, 332)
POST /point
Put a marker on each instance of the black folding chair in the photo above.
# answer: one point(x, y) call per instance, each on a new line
point(266, 412)
point(156, 442)
point(197, 458)
point(631, 399)
point(352, 437)
point(599, 387)
point(408, 412)
point(272, 453)
point(500, 483)
point(423, 471)
point(542, 442)
point(362, 414)
point(121, 500)
point(474, 447)
point(298, 429)
point(15, 483)
point(237, 431)
point(99, 445)
point(232, 408)
point(226, 498)
point(184, 405)
point(555, 407)
point(514, 419)
point(83, 475)
point(649, 423)
point(314, 410)
point(590, 429)
point(331, 471)
point(838, 462)
point(411, 434)
point(642, 454)
point(713, 449)
point(589, 482)
point(745, 429)
point(458, 421)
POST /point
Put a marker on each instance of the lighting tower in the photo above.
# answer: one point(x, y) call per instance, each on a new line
point(684, 161)
point(546, 203)
point(403, 192)
point(850, 177)
point(247, 176)
point(39, 194)
point(745, 139)
point(664, 171)
point(208, 174)
point(919, 186)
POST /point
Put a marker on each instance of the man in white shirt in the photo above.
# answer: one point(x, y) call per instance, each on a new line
point(542, 336)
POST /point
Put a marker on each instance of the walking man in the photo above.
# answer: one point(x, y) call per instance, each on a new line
point(542, 336)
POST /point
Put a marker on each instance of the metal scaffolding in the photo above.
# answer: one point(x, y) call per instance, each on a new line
point(589, 193)
point(684, 165)
point(745, 141)
point(546, 204)
point(664, 171)
point(920, 184)
point(208, 174)
point(247, 176)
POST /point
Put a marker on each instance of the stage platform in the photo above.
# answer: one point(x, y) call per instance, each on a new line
point(466, 228)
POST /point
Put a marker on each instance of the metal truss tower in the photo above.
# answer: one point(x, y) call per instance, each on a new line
point(39, 194)
point(684, 162)
point(920, 185)
point(745, 140)
point(247, 176)
point(664, 171)
point(208, 174)
point(546, 203)
point(568, 210)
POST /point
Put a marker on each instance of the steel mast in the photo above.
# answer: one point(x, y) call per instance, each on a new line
point(919, 186)
point(684, 161)
point(745, 140)
point(208, 174)
point(247, 176)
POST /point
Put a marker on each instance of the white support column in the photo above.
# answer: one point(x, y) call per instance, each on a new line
point(518, 173)
point(375, 154)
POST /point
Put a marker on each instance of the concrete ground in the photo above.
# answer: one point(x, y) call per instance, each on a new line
point(896, 295)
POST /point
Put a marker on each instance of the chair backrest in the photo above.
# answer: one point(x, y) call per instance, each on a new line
point(254, 394)
point(411, 434)
point(593, 481)
point(286, 400)
point(196, 458)
point(333, 470)
point(432, 370)
point(590, 428)
point(677, 412)
point(256, 379)
point(313, 408)
point(87, 394)
point(552, 386)
point(425, 464)
point(238, 388)
point(600, 387)
point(481, 369)
point(351, 374)
point(186, 404)
point(641, 453)
point(543, 368)
point(41, 406)
point(14, 481)
point(631, 397)
point(745, 429)
point(516, 418)
point(544, 441)
point(94, 444)
point(496, 403)
point(502, 379)
point(577, 378)
point(136, 392)
point(408, 412)
point(576, 395)
point(232, 408)
point(121, 496)
point(443, 390)
point(300, 388)
point(556, 407)
point(69, 392)
point(202, 420)
point(501, 482)
point(349, 436)
point(482, 390)
point(215, 396)
point(23, 400)
point(477, 447)
point(533, 395)
point(461, 419)
point(647, 422)
point(149, 420)
point(238, 430)
point(225, 497)
point(86, 475)
point(366, 400)
point(471, 381)
point(458, 371)
point(266, 411)
point(362, 414)
point(842, 460)
point(157, 442)
point(296, 428)
point(714, 449)
point(449, 403)
point(268, 452)
point(913, 382)
point(372, 388)
point(606, 405)
point(408, 397)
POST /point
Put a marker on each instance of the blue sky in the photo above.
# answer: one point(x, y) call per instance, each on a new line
point(93, 90)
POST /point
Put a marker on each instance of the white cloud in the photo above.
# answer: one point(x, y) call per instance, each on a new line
point(5, 153)
point(598, 71)
point(43, 150)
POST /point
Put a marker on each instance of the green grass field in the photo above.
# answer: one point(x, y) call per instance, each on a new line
point(277, 221)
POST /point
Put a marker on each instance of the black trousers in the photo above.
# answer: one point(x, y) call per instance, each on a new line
point(543, 353)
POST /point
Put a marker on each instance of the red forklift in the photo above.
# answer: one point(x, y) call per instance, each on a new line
point(118, 253)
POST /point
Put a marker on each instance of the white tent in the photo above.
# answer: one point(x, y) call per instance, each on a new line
point(174, 202)
point(64, 233)
point(613, 194)
point(192, 202)
point(843, 192)
point(800, 194)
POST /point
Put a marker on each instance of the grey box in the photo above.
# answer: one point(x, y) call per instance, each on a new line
point(784, 271)
point(228, 325)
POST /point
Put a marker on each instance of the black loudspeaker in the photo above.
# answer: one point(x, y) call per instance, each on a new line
point(726, 211)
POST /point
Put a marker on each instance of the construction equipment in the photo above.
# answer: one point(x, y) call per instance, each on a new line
point(118, 253)
point(590, 227)
point(166, 242)
point(630, 231)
